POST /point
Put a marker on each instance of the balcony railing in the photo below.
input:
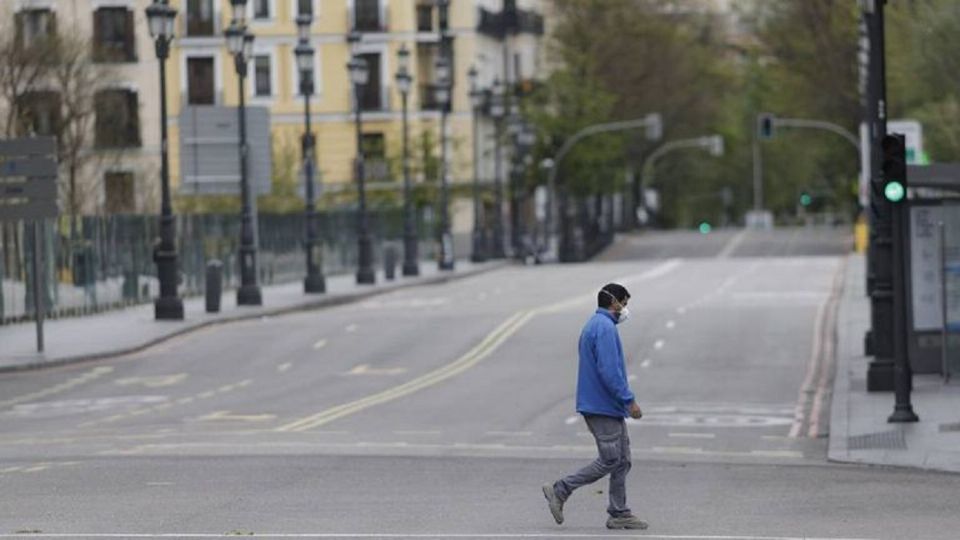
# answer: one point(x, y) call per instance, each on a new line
point(375, 99)
point(495, 24)
point(428, 98)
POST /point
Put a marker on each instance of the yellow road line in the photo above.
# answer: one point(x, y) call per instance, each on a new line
point(465, 362)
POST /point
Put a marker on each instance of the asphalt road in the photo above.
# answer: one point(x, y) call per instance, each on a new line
point(439, 411)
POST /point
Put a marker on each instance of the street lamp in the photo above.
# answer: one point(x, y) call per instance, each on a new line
point(443, 73)
point(411, 266)
point(168, 306)
point(240, 44)
point(476, 99)
point(314, 282)
point(497, 111)
point(365, 274)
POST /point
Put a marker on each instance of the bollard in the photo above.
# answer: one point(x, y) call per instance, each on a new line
point(214, 285)
point(390, 261)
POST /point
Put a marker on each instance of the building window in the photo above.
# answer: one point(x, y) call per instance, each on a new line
point(261, 74)
point(113, 35)
point(425, 17)
point(375, 165)
point(367, 16)
point(200, 82)
point(372, 97)
point(120, 195)
point(34, 24)
point(200, 18)
point(38, 113)
point(304, 7)
point(118, 119)
point(261, 9)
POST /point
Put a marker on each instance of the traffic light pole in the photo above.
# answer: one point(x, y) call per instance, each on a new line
point(880, 255)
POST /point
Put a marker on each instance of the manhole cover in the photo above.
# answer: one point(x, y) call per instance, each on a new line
point(884, 440)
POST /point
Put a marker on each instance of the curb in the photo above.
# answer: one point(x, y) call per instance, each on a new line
point(313, 305)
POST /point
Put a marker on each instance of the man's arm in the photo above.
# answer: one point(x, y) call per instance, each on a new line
point(608, 365)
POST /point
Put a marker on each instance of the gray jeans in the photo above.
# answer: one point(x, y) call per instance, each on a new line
point(613, 445)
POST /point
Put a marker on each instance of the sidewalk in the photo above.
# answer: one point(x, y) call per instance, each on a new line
point(859, 431)
point(123, 331)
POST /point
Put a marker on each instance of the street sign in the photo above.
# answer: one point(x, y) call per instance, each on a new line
point(28, 179)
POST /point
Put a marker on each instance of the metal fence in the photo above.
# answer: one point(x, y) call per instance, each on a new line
point(98, 263)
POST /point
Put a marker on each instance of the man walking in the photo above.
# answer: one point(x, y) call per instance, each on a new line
point(605, 400)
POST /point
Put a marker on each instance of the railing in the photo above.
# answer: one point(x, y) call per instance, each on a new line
point(369, 16)
point(107, 262)
point(375, 99)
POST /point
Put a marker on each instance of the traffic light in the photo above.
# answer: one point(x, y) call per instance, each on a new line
point(765, 126)
point(805, 199)
point(705, 228)
point(894, 167)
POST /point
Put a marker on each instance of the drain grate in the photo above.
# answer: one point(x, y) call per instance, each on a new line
point(950, 428)
point(884, 440)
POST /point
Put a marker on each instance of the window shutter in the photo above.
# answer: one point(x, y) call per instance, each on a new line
point(130, 38)
point(133, 116)
point(98, 35)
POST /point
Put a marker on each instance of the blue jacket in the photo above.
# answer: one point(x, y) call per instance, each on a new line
point(602, 381)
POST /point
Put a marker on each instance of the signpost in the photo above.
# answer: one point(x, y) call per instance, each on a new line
point(28, 192)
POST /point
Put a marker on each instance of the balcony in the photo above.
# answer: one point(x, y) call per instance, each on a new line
point(425, 21)
point(428, 98)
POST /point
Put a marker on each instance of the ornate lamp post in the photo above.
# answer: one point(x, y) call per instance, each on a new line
point(411, 266)
point(314, 282)
point(443, 72)
point(365, 275)
point(479, 252)
point(240, 44)
point(498, 111)
point(169, 306)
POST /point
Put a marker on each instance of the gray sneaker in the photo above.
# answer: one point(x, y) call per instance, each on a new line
point(554, 502)
point(626, 522)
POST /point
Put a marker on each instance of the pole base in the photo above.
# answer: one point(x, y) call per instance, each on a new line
point(411, 269)
point(903, 414)
point(168, 308)
point(478, 258)
point(315, 284)
point(880, 376)
point(249, 295)
point(868, 343)
point(366, 276)
point(446, 265)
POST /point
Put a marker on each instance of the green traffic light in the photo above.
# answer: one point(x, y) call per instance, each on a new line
point(806, 199)
point(894, 191)
point(705, 228)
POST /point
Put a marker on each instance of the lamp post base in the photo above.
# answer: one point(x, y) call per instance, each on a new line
point(315, 284)
point(249, 295)
point(903, 414)
point(168, 308)
point(411, 269)
point(478, 254)
point(366, 276)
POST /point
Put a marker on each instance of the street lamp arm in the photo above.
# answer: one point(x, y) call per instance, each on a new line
point(695, 142)
point(594, 130)
point(818, 124)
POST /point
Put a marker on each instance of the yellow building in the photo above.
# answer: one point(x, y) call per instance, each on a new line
point(202, 73)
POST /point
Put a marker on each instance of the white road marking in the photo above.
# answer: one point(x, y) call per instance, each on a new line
point(79, 535)
point(417, 432)
point(732, 245)
point(282, 368)
point(631, 378)
point(645, 364)
point(225, 416)
point(351, 328)
point(155, 381)
point(681, 310)
point(510, 433)
point(365, 369)
point(659, 344)
point(693, 435)
point(91, 375)
point(320, 344)
point(671, 325)
point(571, 420)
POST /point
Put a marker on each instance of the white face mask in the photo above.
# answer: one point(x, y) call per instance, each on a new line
point(624, 316)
